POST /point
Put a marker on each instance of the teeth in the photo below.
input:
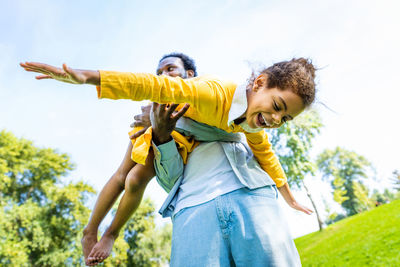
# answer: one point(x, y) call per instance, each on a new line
point(265, 121)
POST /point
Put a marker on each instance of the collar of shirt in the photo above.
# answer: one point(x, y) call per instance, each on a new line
point(238, 107)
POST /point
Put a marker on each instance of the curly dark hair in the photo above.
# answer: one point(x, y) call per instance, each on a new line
point(188, 63)
point(297, 75)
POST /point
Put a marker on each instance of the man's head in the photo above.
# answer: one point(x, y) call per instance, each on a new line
point(177, 65)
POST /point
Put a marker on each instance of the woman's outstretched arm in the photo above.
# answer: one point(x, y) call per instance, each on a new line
point(291, 201)
point(64, 74)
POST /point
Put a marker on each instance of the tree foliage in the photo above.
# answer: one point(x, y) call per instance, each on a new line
point(148, 245)
point(362, 199)
point(292, 143)
point(383, 198)
point(339, 190)
point(143, 243)
point(396, 180)
point(42, 215)
point(346, 170)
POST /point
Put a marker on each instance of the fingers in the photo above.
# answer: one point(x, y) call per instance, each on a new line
point(72, 73)
point(41, 68)
point(138, 133)
point(155, 106)
point(163, 107)
point(139, 124)
point(160, 108)
point(171, 109)
point(67, 69)
point(33, 68)
point(30, 65)
point(168, 110)
point(180, 112)
point(145, 108)
point(41, 77)
point(305, 210)
point(309, 211)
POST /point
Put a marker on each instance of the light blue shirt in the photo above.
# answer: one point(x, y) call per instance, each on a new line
point(206, 176)
point(169, 165)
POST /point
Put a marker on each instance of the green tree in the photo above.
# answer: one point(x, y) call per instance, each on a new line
point(389, 195)
point(148, 245)
point(42, 215)
point(382, 198)
point(292, 143)
point(362, 199)
point(396, 180)
point(339, 192)
point(332, 216)
point(345, 168)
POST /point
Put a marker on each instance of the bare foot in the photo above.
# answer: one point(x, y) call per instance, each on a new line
point(102, 249)
point(88, 241)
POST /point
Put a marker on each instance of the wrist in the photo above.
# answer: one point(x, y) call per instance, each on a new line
point(91, 77)
point(161, 139)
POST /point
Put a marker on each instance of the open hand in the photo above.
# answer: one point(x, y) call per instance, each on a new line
point(142, 119)
point(295, 205)
point(162, 117)
point(64, 74)
point(291, 201)
point(163, 120)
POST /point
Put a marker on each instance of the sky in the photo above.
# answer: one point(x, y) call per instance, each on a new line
point(353, 43)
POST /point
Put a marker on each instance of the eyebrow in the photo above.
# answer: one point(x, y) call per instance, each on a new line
point(284, 103)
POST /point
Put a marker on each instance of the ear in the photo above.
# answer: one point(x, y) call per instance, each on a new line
point(260, 82)
point(190, 73)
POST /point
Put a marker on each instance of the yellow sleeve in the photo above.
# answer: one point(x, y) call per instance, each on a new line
point(209, 98)
point(266, 157)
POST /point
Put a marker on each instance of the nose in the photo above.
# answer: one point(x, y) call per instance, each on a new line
point(276, 118)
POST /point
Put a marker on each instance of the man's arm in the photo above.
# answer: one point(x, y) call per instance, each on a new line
point(168, 163)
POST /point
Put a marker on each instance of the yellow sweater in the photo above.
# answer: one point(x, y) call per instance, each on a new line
point(210, 100)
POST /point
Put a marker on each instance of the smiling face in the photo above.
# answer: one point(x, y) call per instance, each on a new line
point(271, 107)
point(174, 67)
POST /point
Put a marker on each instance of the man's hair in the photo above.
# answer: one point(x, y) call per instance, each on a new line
point(188, 63)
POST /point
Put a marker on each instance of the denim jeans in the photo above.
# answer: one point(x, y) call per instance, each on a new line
point(241, 228)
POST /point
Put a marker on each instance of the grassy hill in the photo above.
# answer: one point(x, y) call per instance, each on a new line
point(368, 239)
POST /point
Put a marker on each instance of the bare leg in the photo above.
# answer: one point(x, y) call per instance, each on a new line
point(105, 201)
point(135, 184)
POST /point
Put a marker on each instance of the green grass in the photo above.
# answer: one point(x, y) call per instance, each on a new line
point(368, 239)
